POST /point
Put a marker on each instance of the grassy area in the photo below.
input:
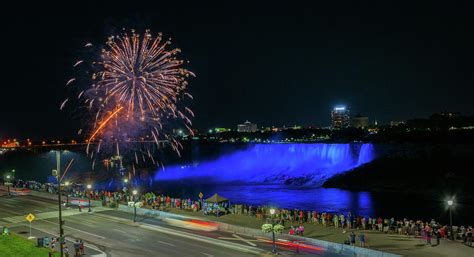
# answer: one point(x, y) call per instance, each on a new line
point(16, 246)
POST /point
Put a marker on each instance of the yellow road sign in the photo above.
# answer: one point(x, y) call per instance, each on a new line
point(30, 217)
point(200, 195)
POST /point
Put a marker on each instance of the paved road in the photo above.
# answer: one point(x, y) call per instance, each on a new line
point(112, 233)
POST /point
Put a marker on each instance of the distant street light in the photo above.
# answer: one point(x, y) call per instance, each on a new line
point(8, 184)
point(134, 192)
point(450, 205)
point(89, 186)
point(125, 180)
point(272, 212)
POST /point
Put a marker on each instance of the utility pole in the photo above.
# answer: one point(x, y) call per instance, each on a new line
point(61, 231)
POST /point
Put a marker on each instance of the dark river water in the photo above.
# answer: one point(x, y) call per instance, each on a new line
point(388, 205)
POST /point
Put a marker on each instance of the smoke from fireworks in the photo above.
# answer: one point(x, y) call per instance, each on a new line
point(136, 89)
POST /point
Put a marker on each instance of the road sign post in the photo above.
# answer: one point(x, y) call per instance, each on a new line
point(200, 197)
point(30, 217)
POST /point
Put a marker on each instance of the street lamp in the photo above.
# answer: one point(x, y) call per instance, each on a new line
point(125, 186)
point(89, 186)
point(66, 184)
point(450, 205)
point(57, 173)
point(272, 212)
point(134, 192)
point(8, 184)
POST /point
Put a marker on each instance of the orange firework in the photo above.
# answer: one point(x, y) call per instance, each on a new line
point(138, 80)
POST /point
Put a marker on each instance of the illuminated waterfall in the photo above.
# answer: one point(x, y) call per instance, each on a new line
point(291, 164)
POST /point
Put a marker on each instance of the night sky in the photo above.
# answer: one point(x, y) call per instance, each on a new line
point(268, 63)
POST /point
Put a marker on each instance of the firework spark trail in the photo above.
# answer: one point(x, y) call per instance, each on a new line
point(102, 124)
point(77, 63)
point(70, 81)
point(63, 104)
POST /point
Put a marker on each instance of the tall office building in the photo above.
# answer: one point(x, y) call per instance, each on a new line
point(340, 117)
point(247, 127)
point(360, 121)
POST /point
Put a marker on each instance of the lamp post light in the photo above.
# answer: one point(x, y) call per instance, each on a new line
point(272, 212)
point(57, 173)
point(66, 184)
point(125, 185)
point(8, 184)
point(134, 192)
point(89, 186)
point(450, 205)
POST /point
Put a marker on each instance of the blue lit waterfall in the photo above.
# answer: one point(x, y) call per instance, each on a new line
point(290, 164)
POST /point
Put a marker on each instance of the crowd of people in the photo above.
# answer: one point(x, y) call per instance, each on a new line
point(429, 231)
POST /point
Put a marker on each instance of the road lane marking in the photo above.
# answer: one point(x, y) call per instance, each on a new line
point(121, 231)
point(244, 240)
point(166, 243)
point(208, 255)
point(238, 239)
point(85, 232)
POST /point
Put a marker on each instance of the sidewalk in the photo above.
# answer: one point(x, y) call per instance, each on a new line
point(393, 243)
point(51, 214)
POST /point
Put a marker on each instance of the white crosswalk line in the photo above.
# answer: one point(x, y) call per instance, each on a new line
point(244, 240)
point(166, 243)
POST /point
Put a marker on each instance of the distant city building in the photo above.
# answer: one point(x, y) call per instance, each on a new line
point(221, 130)
point(360, 121)
point(340, 117)
point(396, 123)
point(247, 127)
point(446, 115)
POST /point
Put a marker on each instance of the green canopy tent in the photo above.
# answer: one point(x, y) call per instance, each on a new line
point(216, 199)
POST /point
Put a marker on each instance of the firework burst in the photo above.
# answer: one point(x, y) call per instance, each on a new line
point(135, 90)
